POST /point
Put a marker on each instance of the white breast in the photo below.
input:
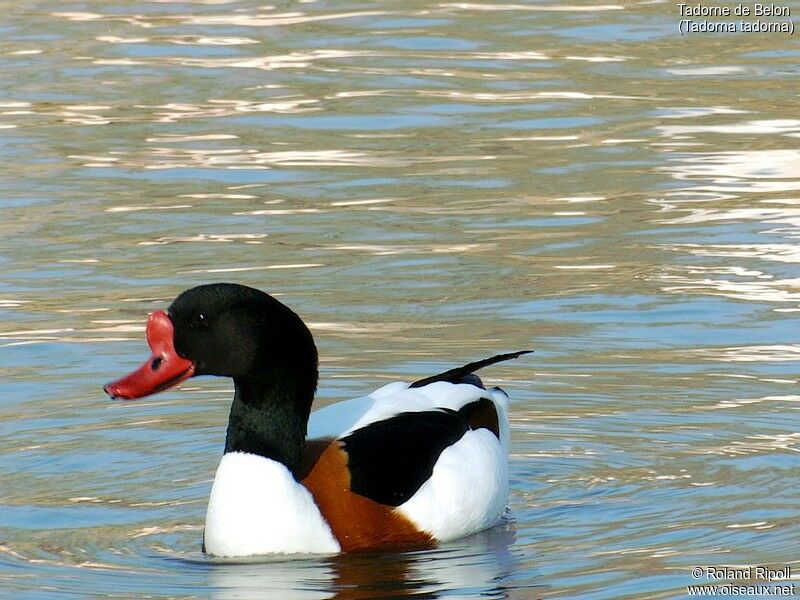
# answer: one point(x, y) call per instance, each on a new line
point(257, 507)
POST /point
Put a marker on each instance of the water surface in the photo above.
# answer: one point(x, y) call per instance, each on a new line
point(426, 184)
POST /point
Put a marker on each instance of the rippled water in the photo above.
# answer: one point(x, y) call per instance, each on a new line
point(426, 184)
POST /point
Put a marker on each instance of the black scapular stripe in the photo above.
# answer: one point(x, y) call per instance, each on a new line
point(390, 460)
point(465, 374)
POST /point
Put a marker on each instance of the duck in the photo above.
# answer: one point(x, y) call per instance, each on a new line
point(408, 466)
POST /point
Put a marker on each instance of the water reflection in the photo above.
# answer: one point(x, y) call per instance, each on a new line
point(462, 570)
point(753, 285)
point(425, 185)
point(788, 127)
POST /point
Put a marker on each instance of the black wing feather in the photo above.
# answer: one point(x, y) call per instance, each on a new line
point(465, 374)
point(389, 460)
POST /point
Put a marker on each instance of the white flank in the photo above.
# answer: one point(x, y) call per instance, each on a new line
point(467, 491)
point(257, 507)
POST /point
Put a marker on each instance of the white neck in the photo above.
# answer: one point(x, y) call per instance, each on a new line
point(257, 507)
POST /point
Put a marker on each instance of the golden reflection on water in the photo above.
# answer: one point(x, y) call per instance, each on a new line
point(477, 6)
point(770, 353)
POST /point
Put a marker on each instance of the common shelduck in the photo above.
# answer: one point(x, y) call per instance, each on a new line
point(405, 467)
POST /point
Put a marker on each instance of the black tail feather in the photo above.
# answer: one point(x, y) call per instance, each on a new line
point(460, 374)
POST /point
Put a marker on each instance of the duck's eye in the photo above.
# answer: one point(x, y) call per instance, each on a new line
point(200, 319)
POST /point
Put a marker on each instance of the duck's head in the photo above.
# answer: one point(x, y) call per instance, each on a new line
point(221, 329)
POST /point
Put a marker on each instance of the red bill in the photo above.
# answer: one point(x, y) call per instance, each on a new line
point(161, 371)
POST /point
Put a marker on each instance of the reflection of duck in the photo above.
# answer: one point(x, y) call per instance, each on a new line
point(475, 567)
point(405, 466)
